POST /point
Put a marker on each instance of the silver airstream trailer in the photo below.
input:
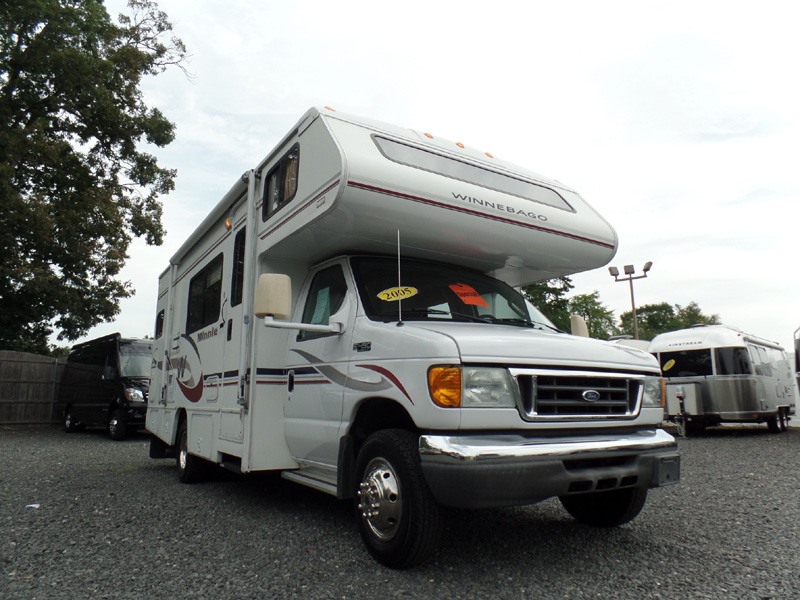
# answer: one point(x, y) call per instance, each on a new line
point(716, 374)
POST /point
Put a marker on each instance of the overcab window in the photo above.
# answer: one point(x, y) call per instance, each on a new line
point(280, 185)
point(205, 291)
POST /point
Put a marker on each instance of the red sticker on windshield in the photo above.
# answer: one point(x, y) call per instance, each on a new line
point(468, 295)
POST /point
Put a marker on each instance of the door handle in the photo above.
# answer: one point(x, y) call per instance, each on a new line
point(290, 382)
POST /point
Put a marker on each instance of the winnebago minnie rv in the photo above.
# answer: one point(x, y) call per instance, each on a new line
point(716, 374)
point(346, 315)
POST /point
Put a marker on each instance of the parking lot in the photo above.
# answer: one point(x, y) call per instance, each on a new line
point(82, 516)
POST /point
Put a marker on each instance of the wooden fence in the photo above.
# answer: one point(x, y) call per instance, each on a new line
point(29, 388)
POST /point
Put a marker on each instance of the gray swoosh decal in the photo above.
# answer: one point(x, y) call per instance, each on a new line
point(342, 379)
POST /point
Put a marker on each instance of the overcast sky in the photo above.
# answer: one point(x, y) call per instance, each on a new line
point(678, 121)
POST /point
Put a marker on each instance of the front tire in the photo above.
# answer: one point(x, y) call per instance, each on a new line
point(606, 509)
point(117, 428)
point(398, 518)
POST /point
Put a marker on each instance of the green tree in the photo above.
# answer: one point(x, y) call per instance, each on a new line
point(692, 315)
point(550, 297)
point(75, 185)
point(599, 319)
point(660, 318)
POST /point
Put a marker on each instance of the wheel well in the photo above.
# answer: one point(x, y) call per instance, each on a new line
point(373, 415)
point(376, 414)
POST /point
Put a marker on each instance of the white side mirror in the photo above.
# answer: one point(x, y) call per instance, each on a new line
point(578, 326)
point(273, 296)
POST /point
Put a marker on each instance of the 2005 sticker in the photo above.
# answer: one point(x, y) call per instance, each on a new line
point(397, 293)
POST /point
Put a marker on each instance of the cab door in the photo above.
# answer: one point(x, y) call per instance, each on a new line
point(231, 413)
point(317, 365)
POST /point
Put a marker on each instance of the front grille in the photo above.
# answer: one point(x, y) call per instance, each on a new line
point(548, 395)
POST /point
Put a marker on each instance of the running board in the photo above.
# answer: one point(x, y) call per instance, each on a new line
point(303, 479)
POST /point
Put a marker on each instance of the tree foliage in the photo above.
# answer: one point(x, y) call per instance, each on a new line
point(599, 319)
point(75, 185)
point(550, 297)
point(660, 318)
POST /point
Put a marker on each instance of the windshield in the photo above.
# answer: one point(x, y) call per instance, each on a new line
point(435, 292)
point(135, 359)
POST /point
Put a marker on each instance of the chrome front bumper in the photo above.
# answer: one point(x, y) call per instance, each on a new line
point(475, 471)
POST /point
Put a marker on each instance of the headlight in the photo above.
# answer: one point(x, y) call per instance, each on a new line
point(653, 396)
point(472, 387)
point(134, 395)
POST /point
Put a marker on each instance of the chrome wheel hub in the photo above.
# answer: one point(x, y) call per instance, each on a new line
point(379, 501)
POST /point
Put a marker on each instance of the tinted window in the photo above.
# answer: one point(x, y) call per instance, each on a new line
point(686, 363)
point(324, 298)
point(280, 185)
point(159, 329)
point(455, 169)
point(732, 361)
point(237, 277)
point(205, 290)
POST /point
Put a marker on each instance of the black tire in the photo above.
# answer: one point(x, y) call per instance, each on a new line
point(774, 425)
point(191, 469)
point(606, 509)
point(117, 427)
point(398, 518)
point(70, 424)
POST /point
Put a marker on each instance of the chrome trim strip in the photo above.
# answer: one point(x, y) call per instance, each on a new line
point(517, 447)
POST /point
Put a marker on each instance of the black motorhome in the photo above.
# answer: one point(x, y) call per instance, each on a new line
point(105, 384)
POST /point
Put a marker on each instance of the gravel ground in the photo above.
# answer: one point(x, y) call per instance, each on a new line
point(84, 517)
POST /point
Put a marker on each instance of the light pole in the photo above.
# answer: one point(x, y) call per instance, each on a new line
point(629, 271)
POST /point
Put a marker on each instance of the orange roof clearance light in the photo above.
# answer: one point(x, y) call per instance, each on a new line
point(489, 154)
point(459, 144)
point(228, 223)
point(444, 384)
point(330, 109)
point(428, 135)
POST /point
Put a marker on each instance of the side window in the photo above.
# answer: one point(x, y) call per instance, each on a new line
point(205, 290)
point(159, 329)
point(325, 297)
point(237, 277)
point(280, 185)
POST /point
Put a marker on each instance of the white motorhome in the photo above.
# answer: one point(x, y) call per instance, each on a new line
point(716, 374)
point(347, 315)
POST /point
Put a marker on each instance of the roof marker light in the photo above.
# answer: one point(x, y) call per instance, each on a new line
point(330, 109)
point(459, 144)
point(489, 154)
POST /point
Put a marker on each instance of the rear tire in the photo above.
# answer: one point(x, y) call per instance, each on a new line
point(191, 469)
point(398, 518)
point(70, 424)
point(774, 425)
point(606, 509)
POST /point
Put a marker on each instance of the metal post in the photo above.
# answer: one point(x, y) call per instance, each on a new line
point(633, 307)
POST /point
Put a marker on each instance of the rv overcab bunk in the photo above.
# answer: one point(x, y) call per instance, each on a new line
point(716, 374)
point(347, 315)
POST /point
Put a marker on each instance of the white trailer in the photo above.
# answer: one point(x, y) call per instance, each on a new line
point(346, 315)
point(716, 374)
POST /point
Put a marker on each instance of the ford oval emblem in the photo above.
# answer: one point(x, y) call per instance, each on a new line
point(591, 395)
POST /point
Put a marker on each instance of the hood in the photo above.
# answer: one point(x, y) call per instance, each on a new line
point(506, 344)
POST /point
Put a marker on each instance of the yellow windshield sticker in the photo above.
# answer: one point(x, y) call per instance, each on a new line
point(669, 364)
point(397, 293)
